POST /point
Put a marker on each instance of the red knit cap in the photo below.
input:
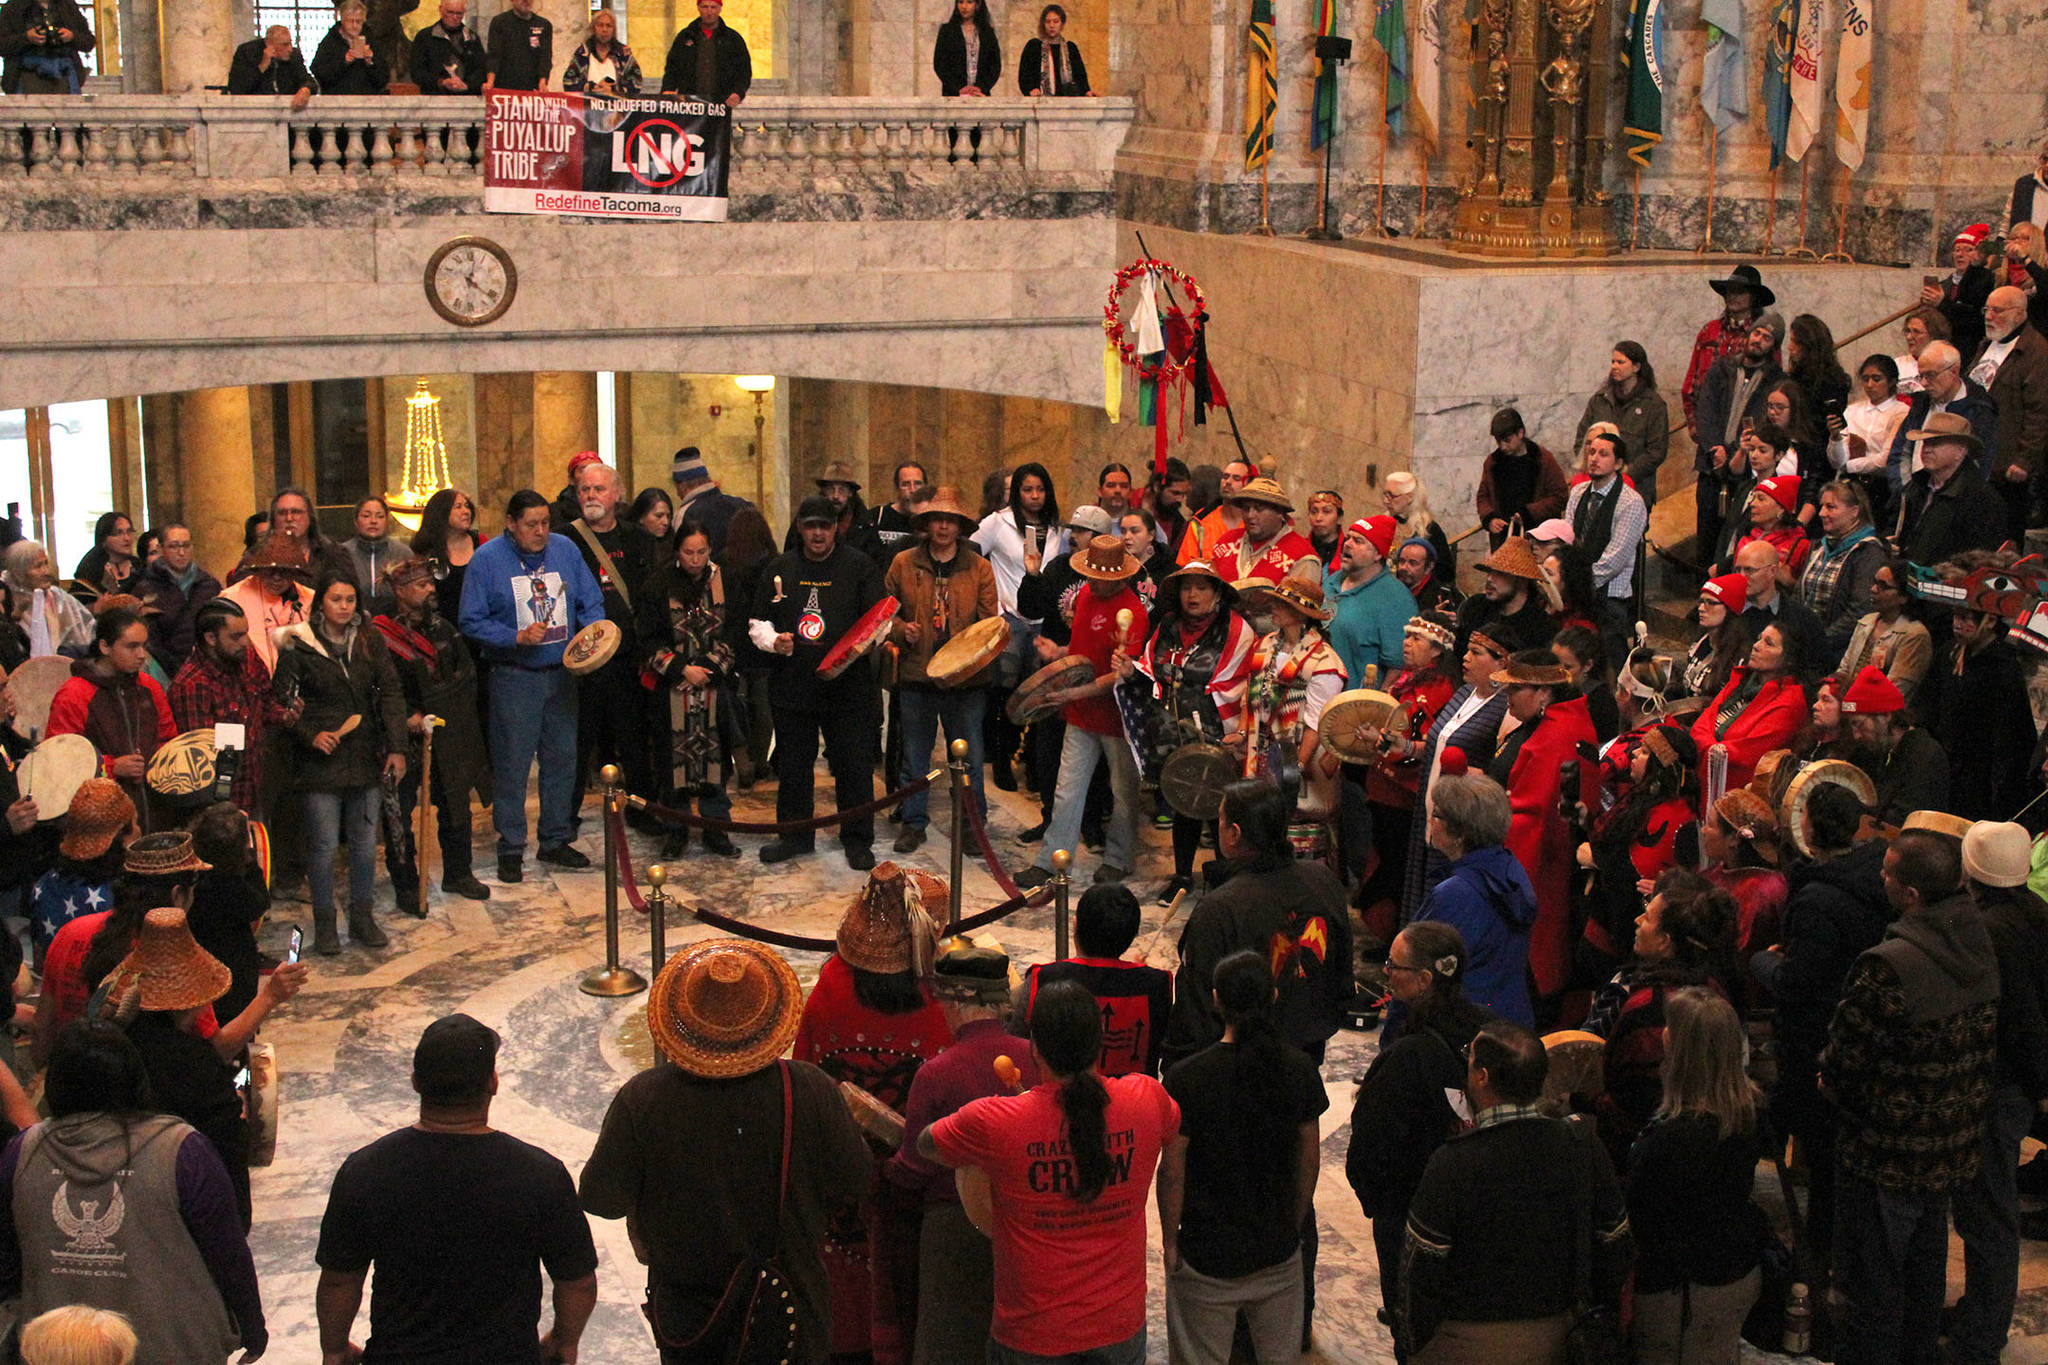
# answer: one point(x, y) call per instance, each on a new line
point(1974, 233)
point(1731, 590)
point(1872, 694)
point(1379, 531)
point(1783, 490)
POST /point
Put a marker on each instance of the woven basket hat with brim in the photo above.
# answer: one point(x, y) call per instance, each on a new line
point(1521, 671)
point(1304, 597)
point(724, 1007)
point(163, 855)
point(100, 812)
point(168, 968)
point(1514, 558)
point(894, 924)
point(945, 502)
point(1263, 490)
point(1169, 586)
point(284, 550)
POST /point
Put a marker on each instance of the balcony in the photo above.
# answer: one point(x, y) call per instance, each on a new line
point(77, 162)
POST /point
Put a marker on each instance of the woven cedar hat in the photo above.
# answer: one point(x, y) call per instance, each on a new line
point(1752, 819)
point(1263, 490)
point(1304, 595)
point(1514, 558)
point(280, 550)
point(724, 1007)
point(945, 502)
point(1169, 586)
point(894, 923)
point(169, 969)
point(100, 813)
point(163, 855)
point(1105, 560)
point(1521, 672)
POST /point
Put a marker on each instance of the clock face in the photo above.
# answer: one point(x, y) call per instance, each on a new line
point(471, 281)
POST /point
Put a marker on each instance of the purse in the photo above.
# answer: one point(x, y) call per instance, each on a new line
point(754, 1321)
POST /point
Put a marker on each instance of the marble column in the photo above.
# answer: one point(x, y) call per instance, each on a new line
point(216, 470)
point(199, 39)
point(564, 422)
point(142, 52)
point(571, 19)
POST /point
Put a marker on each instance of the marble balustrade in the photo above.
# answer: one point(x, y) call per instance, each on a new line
point(777, 140)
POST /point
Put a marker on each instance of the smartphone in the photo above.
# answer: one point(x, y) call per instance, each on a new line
point(1834, 407)
point(242, 1079)
point(1930, 281)
point(291, 954)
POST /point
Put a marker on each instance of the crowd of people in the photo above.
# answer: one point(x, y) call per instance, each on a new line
point(1503, 813)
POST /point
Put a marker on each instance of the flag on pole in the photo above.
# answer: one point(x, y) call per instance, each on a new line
point(1262, 91)
point(1390, 31)
point(1852, 81)
point(1428, 53)
point(1643, 123)
point(1778, 76)
point(1329, 112)
point(1724, 92)
point(1804, 126)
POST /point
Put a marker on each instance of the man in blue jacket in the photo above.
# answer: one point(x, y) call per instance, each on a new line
point(527, 594)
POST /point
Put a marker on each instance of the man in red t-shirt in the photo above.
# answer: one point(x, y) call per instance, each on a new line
point(1094, 730)
point(1070, 1265)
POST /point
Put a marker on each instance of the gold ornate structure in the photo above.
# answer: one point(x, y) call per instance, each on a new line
point(426, 458)
point(1541, 94)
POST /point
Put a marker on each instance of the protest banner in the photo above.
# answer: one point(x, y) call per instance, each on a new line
point(660, 158)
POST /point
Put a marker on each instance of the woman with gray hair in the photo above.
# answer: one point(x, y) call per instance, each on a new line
point(1485, 895)
point(344, 63)
point(54, 621)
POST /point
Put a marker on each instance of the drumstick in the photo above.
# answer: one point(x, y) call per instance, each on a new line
point(1007, 1072)
point(1171, 910)
point(1123, 625)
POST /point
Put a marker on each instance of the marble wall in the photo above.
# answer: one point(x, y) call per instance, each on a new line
point(1954, 119)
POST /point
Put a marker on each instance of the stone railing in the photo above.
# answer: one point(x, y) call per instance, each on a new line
point(778, 140)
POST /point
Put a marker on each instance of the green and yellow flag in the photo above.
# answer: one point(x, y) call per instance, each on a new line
point(1262, 91)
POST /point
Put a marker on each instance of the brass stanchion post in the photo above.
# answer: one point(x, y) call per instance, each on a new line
point(657, 917)
point(958, 765)
point(1062, 860)
point(612, 980)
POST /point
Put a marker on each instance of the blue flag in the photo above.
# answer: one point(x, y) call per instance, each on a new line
point(1724, 91)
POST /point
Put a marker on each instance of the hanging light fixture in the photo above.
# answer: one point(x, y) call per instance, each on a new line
point(426, 459)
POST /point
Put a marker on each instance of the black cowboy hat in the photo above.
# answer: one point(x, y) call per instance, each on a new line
point(1746, 277)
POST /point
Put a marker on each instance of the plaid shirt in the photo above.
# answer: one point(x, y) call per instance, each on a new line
point(204, 694)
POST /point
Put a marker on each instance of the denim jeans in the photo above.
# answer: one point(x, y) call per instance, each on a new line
point(923, 709)
point(330, 818)
point(1891, 1267)
point(1130, 1351)
point(1078, 757)
point(532, 715)
point(1987, 1214)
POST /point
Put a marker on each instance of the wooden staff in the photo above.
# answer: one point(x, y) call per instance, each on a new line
point(424, 811)
point(1386, 74)
point(1771, 213)
point(1841, 251)
point(1706, 248)
point(1265, 227)
point(1635, 215)
point(1802, 250)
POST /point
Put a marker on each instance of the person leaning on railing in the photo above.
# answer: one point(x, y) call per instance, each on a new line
point(272, 65)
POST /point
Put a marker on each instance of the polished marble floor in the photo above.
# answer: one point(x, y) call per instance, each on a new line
point(344, 1048)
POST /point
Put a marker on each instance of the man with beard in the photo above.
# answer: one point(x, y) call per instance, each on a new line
point(1207, 532)
point(225, 682)
point(894, 524)
point(611, 724)
point(1509, 598)
point(852, 529)
point(1732, 392)
point(1415, 566)
point(807, 600)
point(1907, 764)
point(1167, 495)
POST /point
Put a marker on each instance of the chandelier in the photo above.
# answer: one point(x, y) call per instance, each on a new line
point(426, 459)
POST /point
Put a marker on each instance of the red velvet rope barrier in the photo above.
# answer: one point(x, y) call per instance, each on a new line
point(987, 849)
point(799, 942)
point(670, 816)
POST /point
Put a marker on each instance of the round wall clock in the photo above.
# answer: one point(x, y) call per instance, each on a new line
point(471, 280)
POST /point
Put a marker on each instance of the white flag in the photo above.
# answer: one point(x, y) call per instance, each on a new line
point(1852, 81)
point(1806, 48)
point(1426, 56)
